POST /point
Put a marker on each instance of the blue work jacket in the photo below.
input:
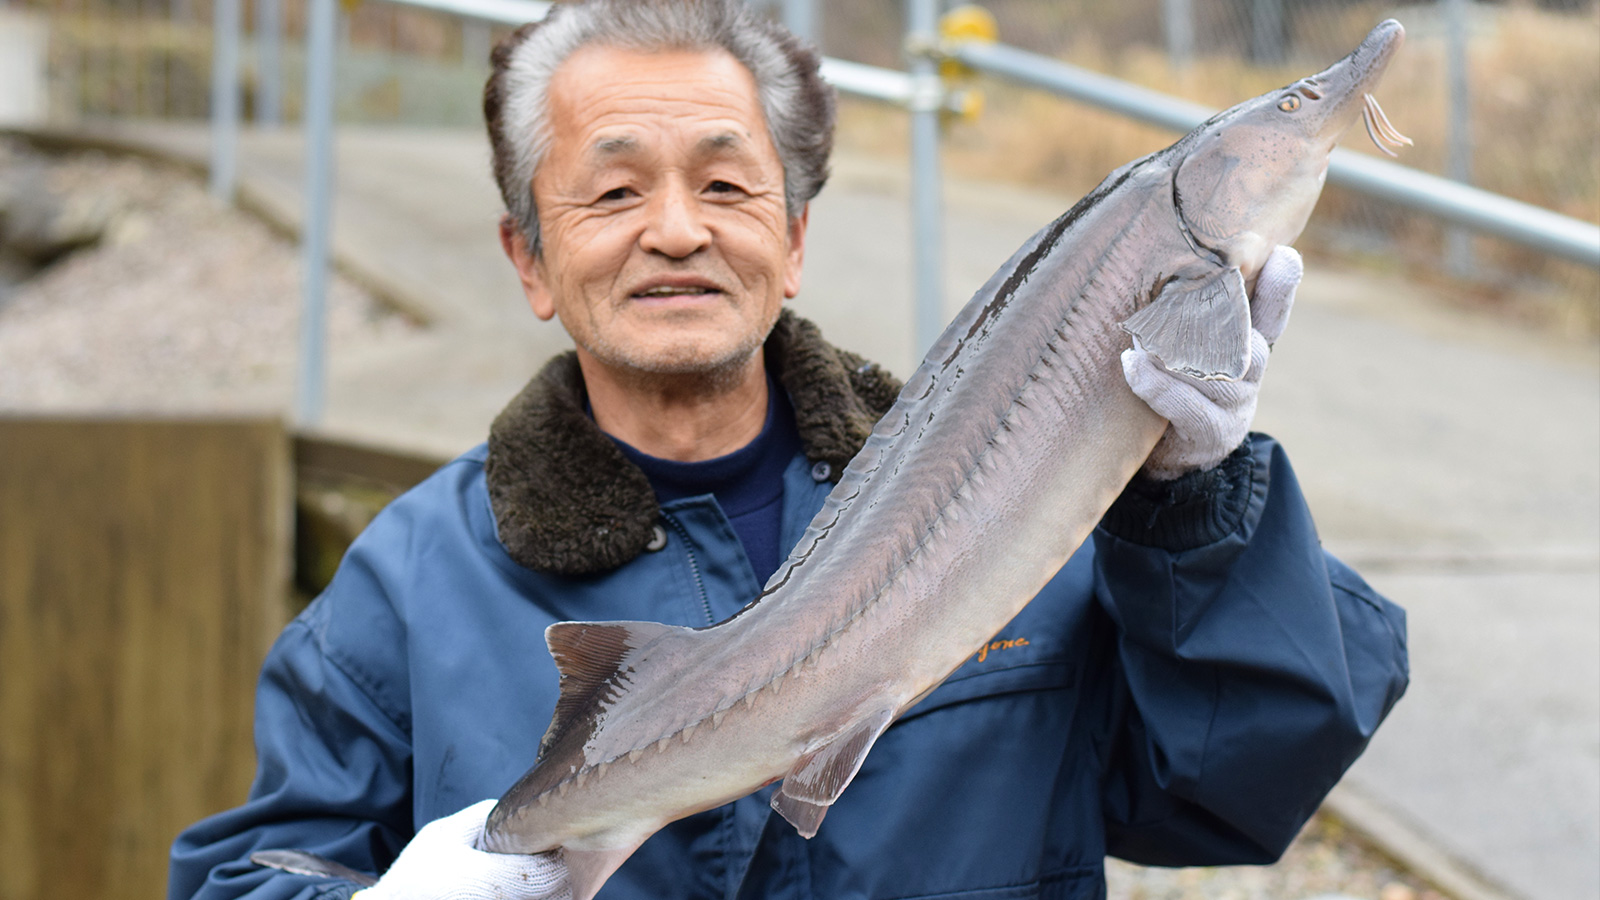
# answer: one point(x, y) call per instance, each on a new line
point(1171, 707)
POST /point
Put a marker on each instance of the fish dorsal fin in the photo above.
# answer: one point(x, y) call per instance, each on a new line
point(597, 661)
point(1199, 328)
point(822, 773)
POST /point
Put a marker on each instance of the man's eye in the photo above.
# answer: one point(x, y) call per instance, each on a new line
point(620, 193)
point(722, 187)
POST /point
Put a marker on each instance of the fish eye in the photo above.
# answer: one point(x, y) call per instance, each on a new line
point(1289, 103)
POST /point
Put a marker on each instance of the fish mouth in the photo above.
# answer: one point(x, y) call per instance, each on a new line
point(1383, 134)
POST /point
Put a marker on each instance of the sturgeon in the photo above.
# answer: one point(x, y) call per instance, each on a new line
point(1003, 451)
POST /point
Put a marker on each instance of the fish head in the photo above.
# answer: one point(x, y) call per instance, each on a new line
point(1247, 179)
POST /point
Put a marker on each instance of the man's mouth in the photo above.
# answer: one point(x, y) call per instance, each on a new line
point(686, 291)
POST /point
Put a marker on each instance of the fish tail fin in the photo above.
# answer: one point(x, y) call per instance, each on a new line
point(301, 862)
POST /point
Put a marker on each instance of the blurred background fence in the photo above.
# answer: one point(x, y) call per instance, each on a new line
point(1505, 100)
point(1528, 128)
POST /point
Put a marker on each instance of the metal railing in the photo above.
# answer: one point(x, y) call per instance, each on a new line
point(1443, 198)
point(921, 91)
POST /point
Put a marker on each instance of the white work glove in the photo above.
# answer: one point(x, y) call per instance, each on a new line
point(1211, 418)
point(443, 861)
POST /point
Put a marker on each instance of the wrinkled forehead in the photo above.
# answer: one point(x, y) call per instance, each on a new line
point(609, 103)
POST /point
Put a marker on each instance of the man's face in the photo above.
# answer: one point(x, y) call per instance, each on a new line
point(666, 244)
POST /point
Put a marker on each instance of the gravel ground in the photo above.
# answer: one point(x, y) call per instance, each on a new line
point(1326, 862)
point(187, 308)
point(179, 307)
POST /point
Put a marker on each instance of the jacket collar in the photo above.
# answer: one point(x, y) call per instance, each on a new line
point(565, 499)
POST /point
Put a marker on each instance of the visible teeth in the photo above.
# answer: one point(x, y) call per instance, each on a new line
point(716, 717)
point(688, 733)
point(633, 755)
point(673, 291)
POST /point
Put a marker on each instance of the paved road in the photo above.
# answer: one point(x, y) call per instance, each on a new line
point(1455, 460)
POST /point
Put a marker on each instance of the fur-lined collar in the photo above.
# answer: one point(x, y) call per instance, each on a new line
point(565, 499)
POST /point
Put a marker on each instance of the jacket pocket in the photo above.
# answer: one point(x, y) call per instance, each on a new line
point(1041, 649)
point(974, 681)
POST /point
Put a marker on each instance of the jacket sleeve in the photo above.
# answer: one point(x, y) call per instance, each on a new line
point(1251, 667)
point(333, 756)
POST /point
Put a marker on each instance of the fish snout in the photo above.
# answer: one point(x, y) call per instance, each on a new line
point(1345, 87)
point(1366, 63)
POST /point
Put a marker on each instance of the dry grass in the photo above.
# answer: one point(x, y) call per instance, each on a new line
point(1535, 85)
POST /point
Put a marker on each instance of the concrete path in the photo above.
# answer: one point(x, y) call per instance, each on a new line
point(1454, 460)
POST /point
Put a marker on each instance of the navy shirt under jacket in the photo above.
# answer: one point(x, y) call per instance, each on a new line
point(747, 483)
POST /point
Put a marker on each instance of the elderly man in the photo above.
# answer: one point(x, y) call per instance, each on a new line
point(1183, 692)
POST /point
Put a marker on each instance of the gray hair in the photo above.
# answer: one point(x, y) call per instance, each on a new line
point(797, 103)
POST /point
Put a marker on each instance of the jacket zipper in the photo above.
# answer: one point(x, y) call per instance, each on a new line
point(694, 567)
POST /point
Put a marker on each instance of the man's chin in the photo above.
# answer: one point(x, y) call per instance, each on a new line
point(717, 360)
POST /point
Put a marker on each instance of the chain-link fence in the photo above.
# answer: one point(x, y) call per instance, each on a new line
point(152, 59)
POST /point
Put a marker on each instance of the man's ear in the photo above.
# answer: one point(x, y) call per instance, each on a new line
point(797, 252)
point(529, 269)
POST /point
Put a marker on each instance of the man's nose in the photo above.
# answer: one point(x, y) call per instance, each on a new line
point(676, 227)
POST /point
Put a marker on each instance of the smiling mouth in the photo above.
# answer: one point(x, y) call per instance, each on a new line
point(689, 291)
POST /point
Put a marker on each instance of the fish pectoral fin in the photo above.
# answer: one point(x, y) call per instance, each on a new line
point(302, 863)
point(587, 870)
point(1199, 328)
point(598, 659)
point(821, 774)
